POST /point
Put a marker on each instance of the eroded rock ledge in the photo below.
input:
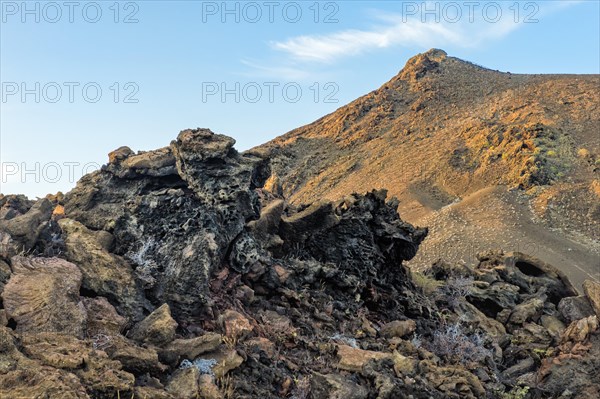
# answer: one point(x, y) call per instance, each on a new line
point(182, 273)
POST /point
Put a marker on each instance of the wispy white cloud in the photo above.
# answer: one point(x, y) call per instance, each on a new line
point(398, 30)
point(326, 48)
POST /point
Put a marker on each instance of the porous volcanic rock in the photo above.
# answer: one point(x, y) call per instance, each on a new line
point(174, 212)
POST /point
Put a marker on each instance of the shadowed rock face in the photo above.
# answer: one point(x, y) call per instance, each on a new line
point(173, 212)
point(19, 232)
point(362, 232)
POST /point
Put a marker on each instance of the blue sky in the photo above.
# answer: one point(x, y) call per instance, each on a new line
point(136, 73)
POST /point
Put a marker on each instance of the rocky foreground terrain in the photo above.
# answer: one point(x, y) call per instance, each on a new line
point(185, 273)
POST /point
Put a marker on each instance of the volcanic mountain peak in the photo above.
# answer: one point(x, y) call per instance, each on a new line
point(419, 65)
point(434, 54)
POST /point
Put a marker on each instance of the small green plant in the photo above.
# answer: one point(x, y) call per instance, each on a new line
point(515, 341)
point(543, 353)
point(426, 283)
point(516, 393)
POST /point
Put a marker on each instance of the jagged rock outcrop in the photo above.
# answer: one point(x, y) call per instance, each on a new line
point(174, 212)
